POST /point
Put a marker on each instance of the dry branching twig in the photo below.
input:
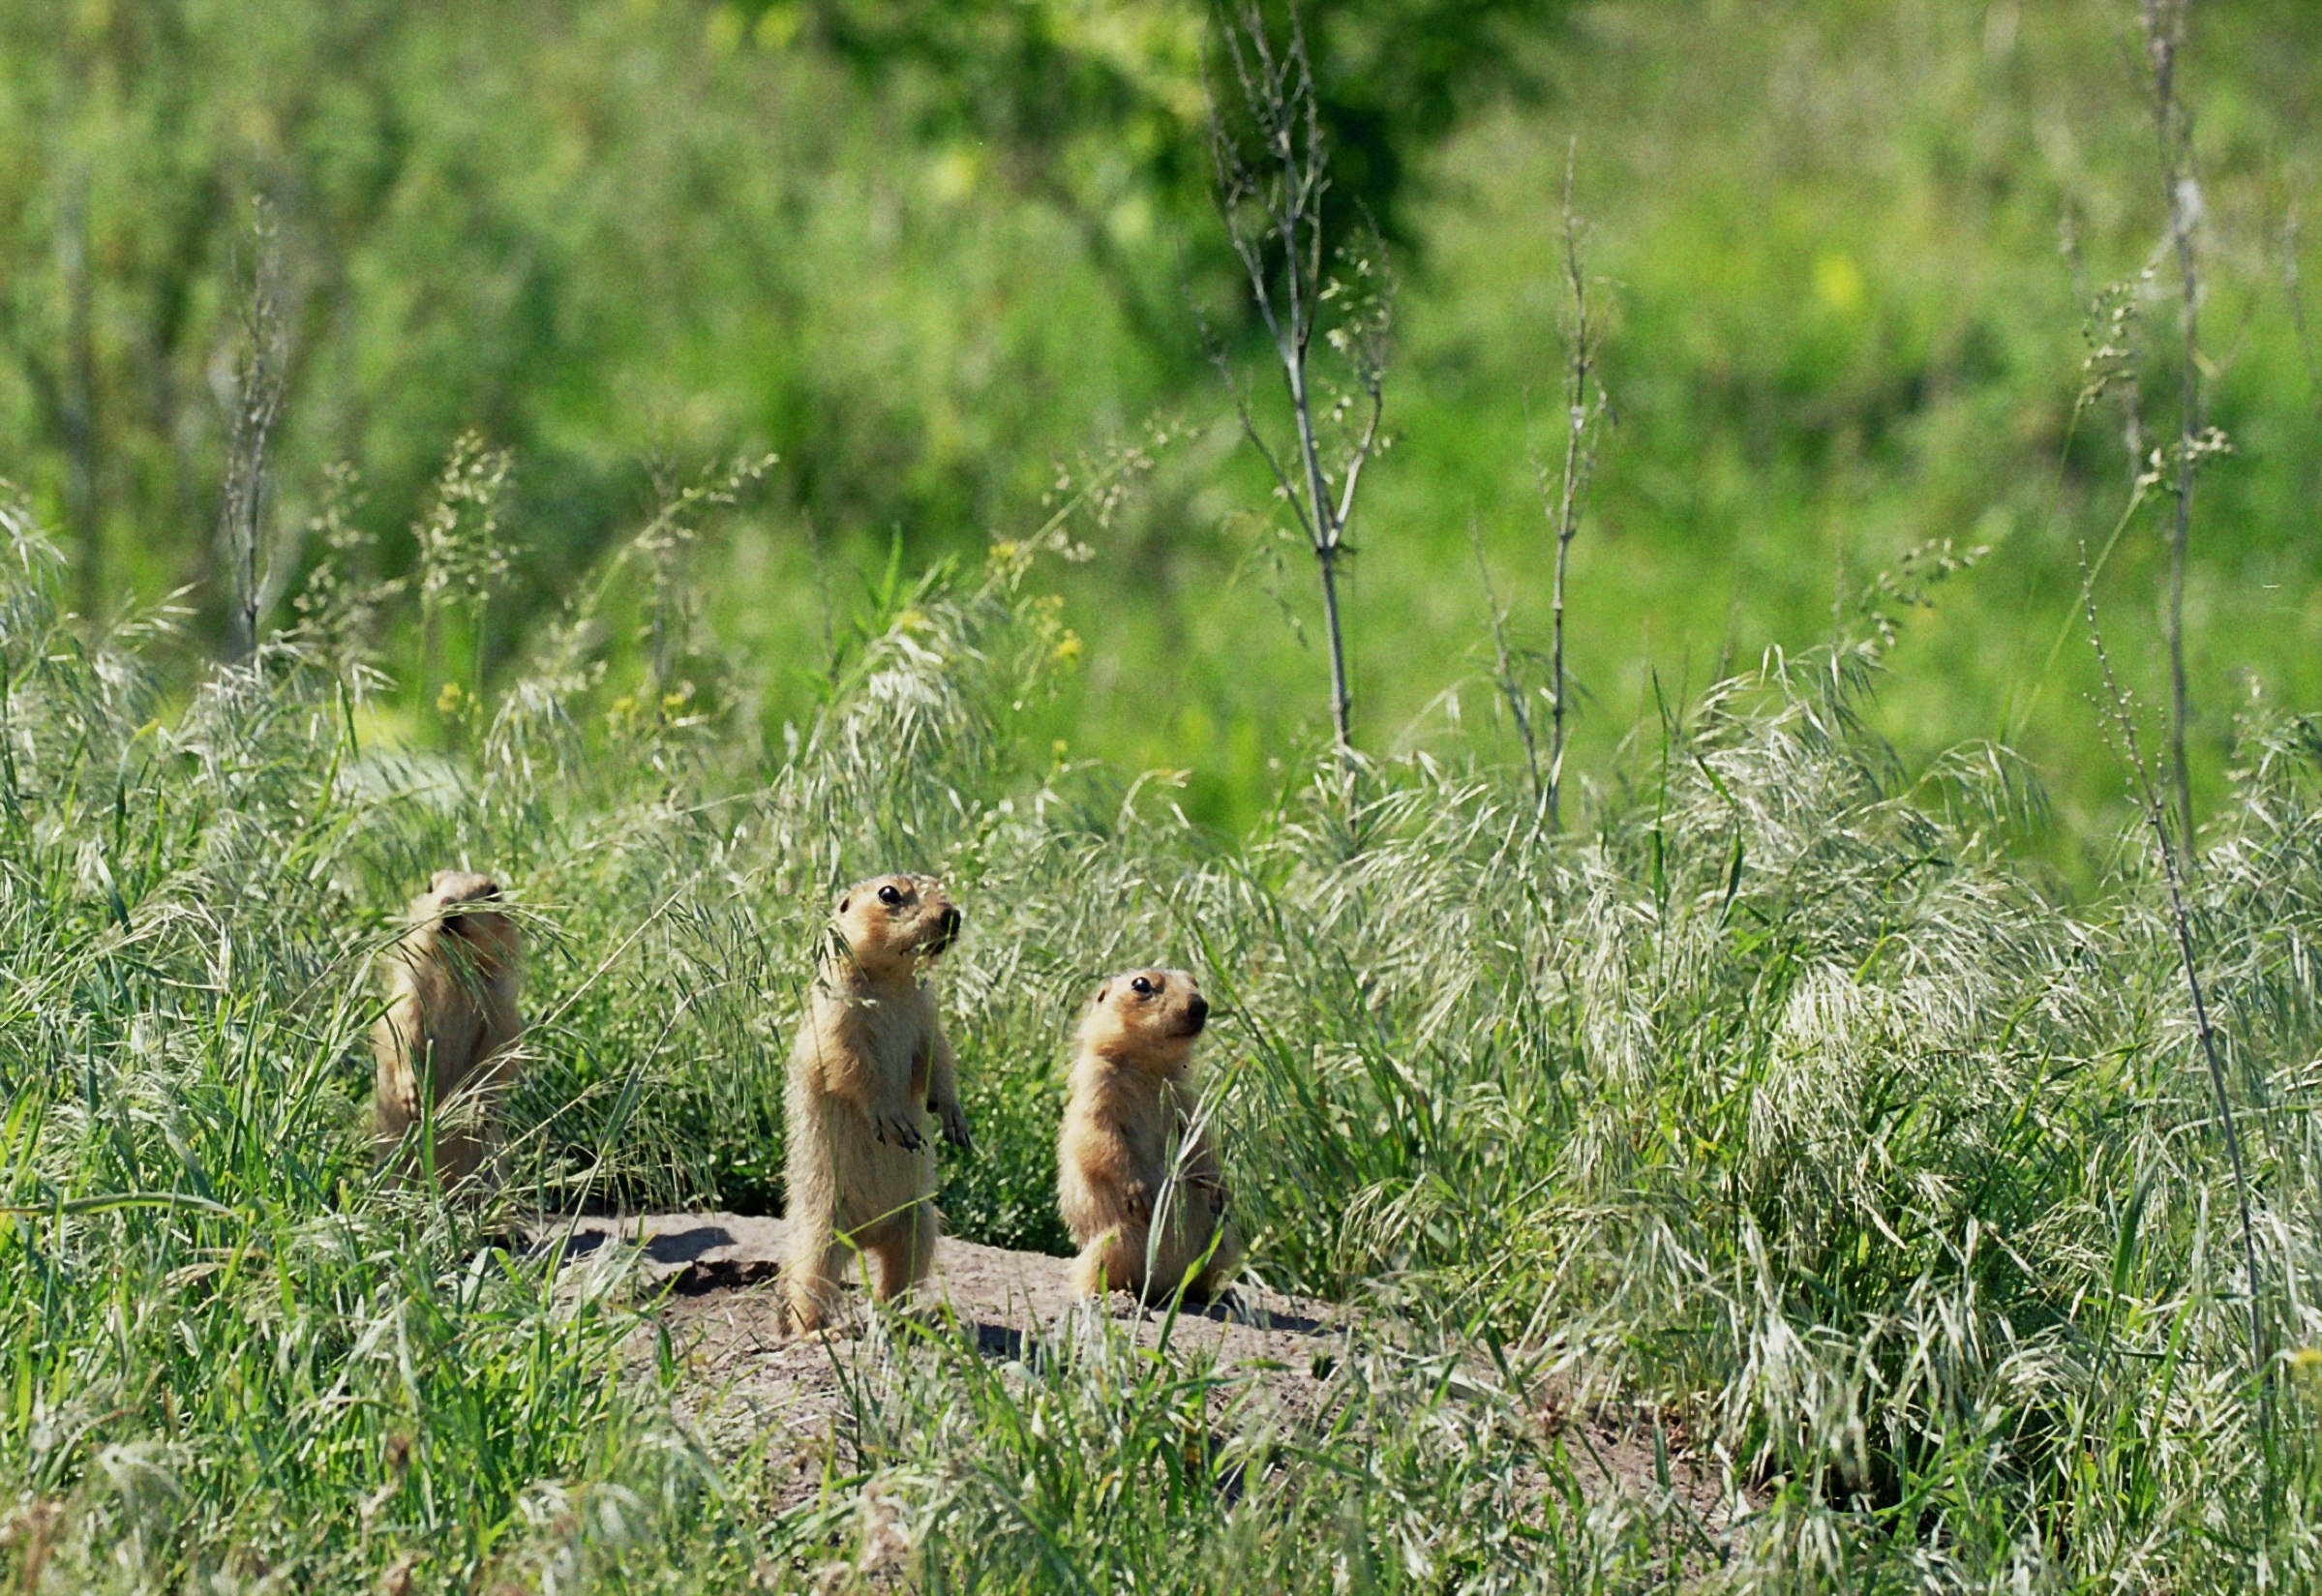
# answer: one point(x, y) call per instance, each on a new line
point(257, 406)
point(1567, 501)
point(2164, 38)
point(1503, 663)
point(1272, 168)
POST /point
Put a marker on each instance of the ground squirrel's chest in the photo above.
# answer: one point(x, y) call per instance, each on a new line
point(893, 1026)
point(1145, 1113)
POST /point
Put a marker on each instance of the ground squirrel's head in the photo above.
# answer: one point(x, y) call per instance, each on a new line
point(1146, 1017)
point(464, 907)
point(891, 922)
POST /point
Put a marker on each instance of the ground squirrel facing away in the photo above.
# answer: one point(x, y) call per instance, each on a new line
point(1138, 1179)
point(868, 1062)
point(445, 1044)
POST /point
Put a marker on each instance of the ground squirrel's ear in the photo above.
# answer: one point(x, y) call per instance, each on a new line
point(846, 903)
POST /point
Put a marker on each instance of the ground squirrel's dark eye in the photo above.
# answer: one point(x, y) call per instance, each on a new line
point(1142, 987)
point(889, 896)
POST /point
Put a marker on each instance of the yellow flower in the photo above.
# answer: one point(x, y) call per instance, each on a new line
point(1838, 282)
point(951, 174)
point(1068, 648)
point(448, 701)
point(778, 26)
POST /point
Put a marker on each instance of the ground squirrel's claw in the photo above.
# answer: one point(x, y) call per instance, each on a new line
point(955, 1126)
point(897, 1132)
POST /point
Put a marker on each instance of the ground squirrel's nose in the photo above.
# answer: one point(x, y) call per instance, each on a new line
point(1197, 1010)
point(952, 921)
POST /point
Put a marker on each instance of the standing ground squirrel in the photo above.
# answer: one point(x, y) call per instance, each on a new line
point(868, 1062)
point(445, 1045)
point(1131, 1147)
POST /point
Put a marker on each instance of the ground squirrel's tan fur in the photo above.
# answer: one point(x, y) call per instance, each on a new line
point(1137, 1178)
point(868, 1062)
point(445, 1044)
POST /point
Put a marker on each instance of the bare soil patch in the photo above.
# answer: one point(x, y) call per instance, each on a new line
point(750, 1383)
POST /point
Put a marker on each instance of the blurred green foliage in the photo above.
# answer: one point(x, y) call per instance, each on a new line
point(949, 263)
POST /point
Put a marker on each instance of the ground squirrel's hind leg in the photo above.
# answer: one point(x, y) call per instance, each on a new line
point(812, 1260)
point(1225, 1264)
point(902, 1251)
point(461, 1153)
point(1114, 1260)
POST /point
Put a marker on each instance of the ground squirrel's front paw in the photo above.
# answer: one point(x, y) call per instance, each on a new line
point(955, 1126)
point(897, 1131)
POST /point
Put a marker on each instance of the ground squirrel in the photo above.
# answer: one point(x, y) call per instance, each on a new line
point(868, 1062)
point(1138, 1179)
point(445, 1044)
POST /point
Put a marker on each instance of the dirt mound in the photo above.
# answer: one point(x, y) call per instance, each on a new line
point(748, 1380)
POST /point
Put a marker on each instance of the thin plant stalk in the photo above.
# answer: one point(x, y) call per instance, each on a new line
point(463, 557)
point(79, 411)
point(2154, 813)
point(2164, 36)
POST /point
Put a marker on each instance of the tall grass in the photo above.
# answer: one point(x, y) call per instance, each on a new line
point(1766, 1095)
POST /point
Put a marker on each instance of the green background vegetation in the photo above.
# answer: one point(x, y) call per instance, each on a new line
point(1851, 253)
